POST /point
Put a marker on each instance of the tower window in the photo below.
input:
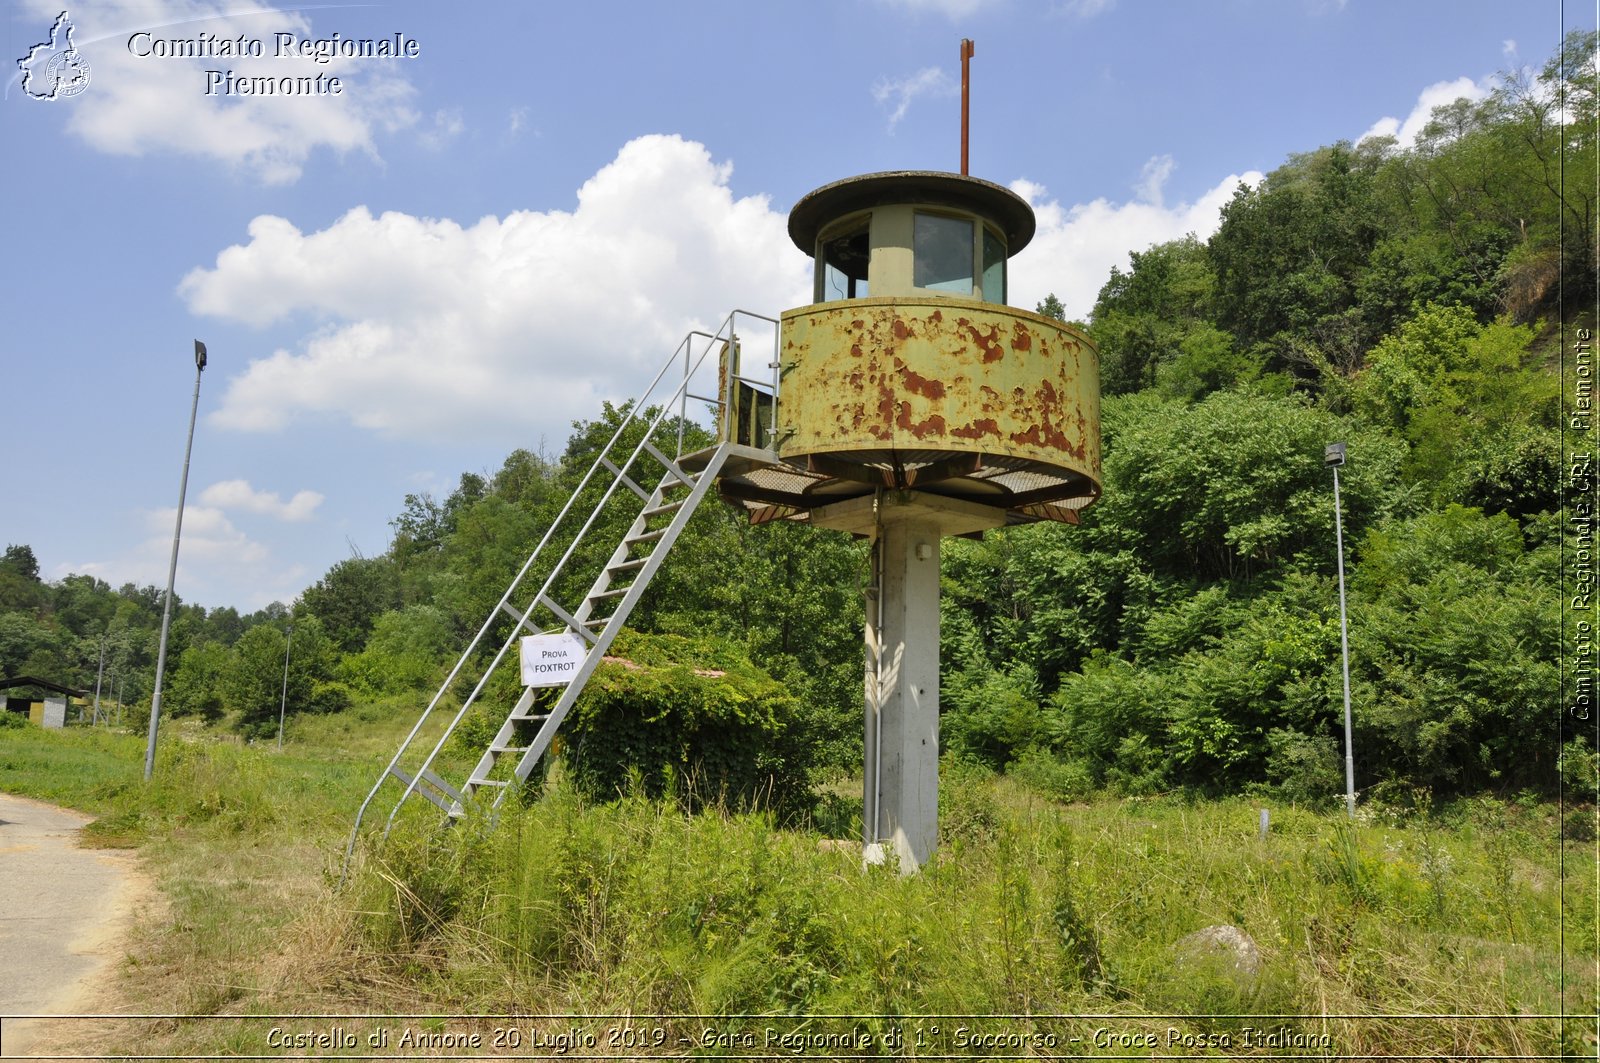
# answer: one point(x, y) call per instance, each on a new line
point(941, 253)
point(994, 267)
point(843, 263)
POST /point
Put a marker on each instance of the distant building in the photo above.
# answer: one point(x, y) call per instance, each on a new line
point(44, 711)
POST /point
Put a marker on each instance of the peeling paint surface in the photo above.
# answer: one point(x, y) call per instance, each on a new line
point(870, 380)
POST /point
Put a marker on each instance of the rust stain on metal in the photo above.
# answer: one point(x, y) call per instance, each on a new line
point(988, 343)
point(929, 426)
point(886, 415)
point(1042, 435)
point(1021, 338)
point(986, 426)
point(900, 329)
point(918, 384)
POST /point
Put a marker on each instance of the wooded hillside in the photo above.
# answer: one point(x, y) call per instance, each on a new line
point(1406, 301)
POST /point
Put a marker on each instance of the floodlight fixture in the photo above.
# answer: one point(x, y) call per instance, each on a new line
point(1333, 455)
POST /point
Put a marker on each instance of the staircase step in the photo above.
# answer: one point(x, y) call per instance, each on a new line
point(665, 507)
point(614, 592)
point(629, 565)
point(488, 782)
point(645, 537)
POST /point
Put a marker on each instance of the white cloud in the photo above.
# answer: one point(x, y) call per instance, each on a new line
point(899, 92)
point(948, 8)
point(208, 535)
point(504, 328)
point(1087, 8)
point(446, 126)
point(239, 495)
point(215, 559)
point(1075, 248)
point(140, 104)
point(1153, 179)
point(1436, 95)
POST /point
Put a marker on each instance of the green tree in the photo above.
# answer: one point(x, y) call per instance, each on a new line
point(1288, 257)
point(525, 479)
point(23, 641)
point(351, 597)
point(1451, 386)
point(224, 625)
point(1157, 314)
point(19, 561)
point(196, 685)
point(253, 684)
point(1503, 172)
point(1455, 652)
point(406, 651)
point(1234, 487)
point(83, 605)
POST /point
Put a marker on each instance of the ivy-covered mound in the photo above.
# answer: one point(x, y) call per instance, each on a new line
point(694, 718)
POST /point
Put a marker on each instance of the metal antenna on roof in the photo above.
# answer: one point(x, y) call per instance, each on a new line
point(966, 96)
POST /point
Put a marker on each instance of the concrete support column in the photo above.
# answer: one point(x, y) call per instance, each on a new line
point(901, 791)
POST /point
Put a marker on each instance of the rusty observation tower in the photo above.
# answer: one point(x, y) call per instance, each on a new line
point(906, 403)
point(915, 404)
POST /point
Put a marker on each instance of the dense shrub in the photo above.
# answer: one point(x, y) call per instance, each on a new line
point(693, 718)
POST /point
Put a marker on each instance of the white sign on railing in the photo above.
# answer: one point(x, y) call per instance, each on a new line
point(550, 660)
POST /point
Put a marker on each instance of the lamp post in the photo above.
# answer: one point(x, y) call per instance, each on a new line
point(283, 703)
point(99, 677)
point(1333, 457)
point(172, 570)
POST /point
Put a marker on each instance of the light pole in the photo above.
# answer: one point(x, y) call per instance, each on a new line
point(1333, 457)
point(172, 570)
point(283, 703)
point(99, 677)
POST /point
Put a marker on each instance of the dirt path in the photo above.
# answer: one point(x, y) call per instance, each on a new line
point(64, 912)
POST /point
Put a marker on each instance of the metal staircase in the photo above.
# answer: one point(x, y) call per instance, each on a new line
point(648, 447)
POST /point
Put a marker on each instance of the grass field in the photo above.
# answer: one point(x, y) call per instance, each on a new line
point(1040, 928)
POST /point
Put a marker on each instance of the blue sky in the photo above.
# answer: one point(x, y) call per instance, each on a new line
point(467, 249)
